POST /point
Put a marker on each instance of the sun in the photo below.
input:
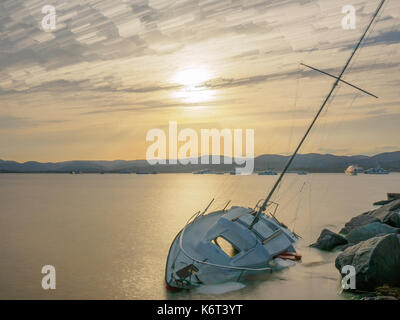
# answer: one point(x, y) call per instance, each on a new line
point(192, 82)
point(190, 77)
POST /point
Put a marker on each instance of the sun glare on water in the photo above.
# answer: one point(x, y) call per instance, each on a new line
point(193, 89)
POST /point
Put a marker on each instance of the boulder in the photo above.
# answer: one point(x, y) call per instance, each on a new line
point(357, 222)
point(382, 202)
point(376, 262)
point(368, 231)
point(343, 247)
point(379, 298)
point(328, 240)
point(385, 210)
point(393, 219)
point(388, 291)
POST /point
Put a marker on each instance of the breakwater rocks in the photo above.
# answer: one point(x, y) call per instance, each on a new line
point(370, 243)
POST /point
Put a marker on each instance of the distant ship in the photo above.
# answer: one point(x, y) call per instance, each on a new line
point(268, 172)
point(377, 170)
point(302, 173)
point(353, 170)
point(146, 172)
point(234, 173)
point(204, 171)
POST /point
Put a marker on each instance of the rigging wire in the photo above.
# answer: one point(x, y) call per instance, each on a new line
point(262, 208)
point(297, 208)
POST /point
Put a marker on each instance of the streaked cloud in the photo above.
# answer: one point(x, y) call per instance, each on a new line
point(111, 64)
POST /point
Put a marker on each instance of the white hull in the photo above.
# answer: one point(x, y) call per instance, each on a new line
point(194, 259)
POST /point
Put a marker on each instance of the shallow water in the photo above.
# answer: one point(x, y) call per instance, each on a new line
point(108, 235)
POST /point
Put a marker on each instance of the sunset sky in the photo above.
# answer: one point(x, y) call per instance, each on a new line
point(113, 70)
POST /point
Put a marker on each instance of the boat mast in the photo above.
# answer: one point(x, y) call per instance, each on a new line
point(338, 79)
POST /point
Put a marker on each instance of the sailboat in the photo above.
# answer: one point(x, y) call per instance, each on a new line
point(353, 170)
point(377, 170)
point(232, 244)
point(268, 172)
point(302, 173)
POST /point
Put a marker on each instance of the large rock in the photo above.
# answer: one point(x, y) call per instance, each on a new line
point(368, 231)
point(343, 246)
point(357, 222)
point(385, 210)
point(379, 298)
point(393, 219)
point(376, 262)
point(383, 202)
point(328, 240)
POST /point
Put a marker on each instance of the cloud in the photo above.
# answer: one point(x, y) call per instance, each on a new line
point(120, 56)
point(383, 37)
point(334, 151)
point(107, 31)
point(13, 122)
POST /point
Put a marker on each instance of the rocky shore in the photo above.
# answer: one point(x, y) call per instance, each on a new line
point(369, 242)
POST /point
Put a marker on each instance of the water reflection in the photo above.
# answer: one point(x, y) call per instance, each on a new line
point(108, 235)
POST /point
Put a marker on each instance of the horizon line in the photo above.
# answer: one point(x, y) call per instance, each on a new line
point(198, 157)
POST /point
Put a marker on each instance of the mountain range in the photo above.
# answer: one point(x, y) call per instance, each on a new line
point(311, 162)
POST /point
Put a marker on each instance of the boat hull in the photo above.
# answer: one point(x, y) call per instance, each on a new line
point(193, 260)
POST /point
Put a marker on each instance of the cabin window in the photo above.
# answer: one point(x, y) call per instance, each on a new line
point(228, 248)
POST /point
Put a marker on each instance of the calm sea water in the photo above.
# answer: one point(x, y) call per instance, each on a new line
point(108, 235)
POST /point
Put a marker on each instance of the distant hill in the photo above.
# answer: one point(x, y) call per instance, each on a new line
point(68, 166)
point(330, 163)
point(311, 162)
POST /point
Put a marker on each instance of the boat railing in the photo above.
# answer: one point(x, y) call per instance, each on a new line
point(201, 213)
point(269, 204)
point(226, 205)
point(194, 217)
